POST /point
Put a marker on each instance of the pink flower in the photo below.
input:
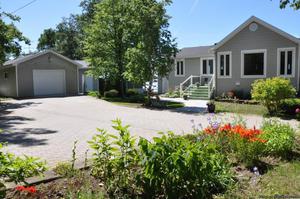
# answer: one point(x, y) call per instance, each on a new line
point(297, 110)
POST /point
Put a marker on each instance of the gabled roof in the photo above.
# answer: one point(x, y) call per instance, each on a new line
point(35, 55)
point(84, 64)
point(195, 52)
point(261, 22)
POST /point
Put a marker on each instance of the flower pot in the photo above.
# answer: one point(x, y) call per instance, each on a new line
point(211, 108)
point(185, 97)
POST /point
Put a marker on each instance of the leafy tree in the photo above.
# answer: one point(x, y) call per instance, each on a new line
point(68, 38)
point(89, 8)
point(10, 37)
point(106, 41)
point(47, 39)
point(293, 3)
point(154, 49)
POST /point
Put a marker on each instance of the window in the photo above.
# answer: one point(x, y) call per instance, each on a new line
point(224, 62)
point(207, 66)
point(6, 75)
point(254, 63)
point(179, 69)
point(286, 61)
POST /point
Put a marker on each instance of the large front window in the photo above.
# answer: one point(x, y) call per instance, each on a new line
point(286, 61)
point(253, 63)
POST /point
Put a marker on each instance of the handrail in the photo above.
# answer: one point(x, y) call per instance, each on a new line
point(190, 78)
point(211, 85)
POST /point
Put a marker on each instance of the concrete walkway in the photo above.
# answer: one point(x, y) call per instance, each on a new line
point(47, 127)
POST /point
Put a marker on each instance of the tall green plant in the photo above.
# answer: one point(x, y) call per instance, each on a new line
point(272, 91)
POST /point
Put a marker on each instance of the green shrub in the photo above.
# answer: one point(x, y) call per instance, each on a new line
point(175, 167)
point(132, 92)
point(281, 137)
point(172, 94)
point(140, 98)
point(111, 93)
point(114, 161)
point(64, 169)
point(271, 92)
point(289, 106)
point(94, 94)
point(17, 169)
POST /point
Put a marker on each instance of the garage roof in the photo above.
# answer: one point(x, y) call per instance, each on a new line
point(195, 52)
point(19, 60)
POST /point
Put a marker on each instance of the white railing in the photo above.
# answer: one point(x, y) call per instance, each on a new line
point(211, 86)
point(188, 83)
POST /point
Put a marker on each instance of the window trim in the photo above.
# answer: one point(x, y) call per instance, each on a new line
point(183, 73)
point(279, 50)
point(201, 65)
point(219, 63)
point(243, 52)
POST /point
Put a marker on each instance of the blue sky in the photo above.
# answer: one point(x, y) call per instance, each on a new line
point(193, 22)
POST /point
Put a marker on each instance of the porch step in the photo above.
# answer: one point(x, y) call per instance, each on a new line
point(197, 92)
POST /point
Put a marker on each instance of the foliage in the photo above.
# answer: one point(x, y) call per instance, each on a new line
point(64, 169)
point(10, 37)
point(272, 91)
point(47, 39)
point(177, 168)
point(112, 93)
point(293, 3)
point(281, 138)
point(132, 92)
point(106, 47)
point(153, 49)
point(289, 106)
point(17, 169)
point(172, 94)
point(94, 94)
point(245, 144)
point(114, 160)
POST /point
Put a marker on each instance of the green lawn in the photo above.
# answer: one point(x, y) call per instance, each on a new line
point(133, 104)
point(240, 108)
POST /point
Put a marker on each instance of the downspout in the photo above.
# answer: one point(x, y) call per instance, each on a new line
point(17, 81)
point(78, 80)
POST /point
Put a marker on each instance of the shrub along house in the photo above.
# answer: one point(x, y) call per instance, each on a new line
point(43, 74)
point(254, 50)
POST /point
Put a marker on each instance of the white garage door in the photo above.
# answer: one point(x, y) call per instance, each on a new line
point(49, 82)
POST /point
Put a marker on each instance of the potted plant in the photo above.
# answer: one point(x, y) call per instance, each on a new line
point(211, 107)
point(185, 97)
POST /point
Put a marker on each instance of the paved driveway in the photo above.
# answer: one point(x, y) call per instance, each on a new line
point(47, 128)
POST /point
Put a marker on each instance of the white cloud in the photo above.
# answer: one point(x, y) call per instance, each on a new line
point(194, 6)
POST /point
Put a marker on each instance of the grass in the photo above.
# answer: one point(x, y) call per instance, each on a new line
point(127, 102)
point(241, 108)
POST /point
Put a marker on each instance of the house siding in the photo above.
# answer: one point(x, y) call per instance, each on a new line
point(263, 38)
point(8, 86)
point(192, 67)
point(95, 82)
point(46, 61)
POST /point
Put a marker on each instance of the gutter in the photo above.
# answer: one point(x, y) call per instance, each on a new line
point(17, 81)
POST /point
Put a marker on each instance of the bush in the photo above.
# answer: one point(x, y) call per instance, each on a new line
point(289, 106)
point(175, 167)
point(17, 169)
point(170, 167)
point(172, 94)
point(94, 94)
point(271, 92)
point(111, 94)
point(132, 92)
point(139, 98)
point(281, 138)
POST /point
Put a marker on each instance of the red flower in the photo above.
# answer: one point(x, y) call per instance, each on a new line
point(31, 189)
point(297, 110)
point(226, 127)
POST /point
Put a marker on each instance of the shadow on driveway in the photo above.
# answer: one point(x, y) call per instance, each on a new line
point(25, 137)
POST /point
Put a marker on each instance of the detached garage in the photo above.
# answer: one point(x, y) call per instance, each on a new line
point(42, 74)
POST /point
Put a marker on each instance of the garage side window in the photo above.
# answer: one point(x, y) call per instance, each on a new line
point(286, 62)
point(6, 75)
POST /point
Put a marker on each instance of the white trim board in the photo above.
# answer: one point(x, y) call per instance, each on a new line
point(261, 22)
point(243, 52)
point(201, 65)
point(279, 50)
point(219, 63)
